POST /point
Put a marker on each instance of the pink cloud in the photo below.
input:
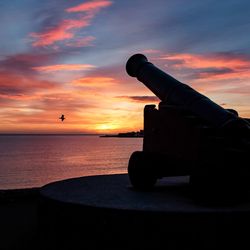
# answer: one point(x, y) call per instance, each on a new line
point(64, 30)
point(90, 6)
point(63, 67)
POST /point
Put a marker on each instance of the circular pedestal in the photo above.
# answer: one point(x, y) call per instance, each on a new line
point(105, 211)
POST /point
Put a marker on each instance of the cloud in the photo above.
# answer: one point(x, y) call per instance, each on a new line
point(19, 83)
point(90, 6)
point(210, 73)
point(63, 67)
point(66, 29)
point(23, 63)
point(97, 81)
point(30, 83)
point(81, 42)
point(62, 31)
point(18, 86)
point(220, 60)
point(213, 66)
point(143, 99)
point(66, 101)
point(239, 90)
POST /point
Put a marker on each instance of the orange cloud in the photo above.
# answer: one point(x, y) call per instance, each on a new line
point(62, 31)
point(209, 67)
point(207, 61)
point(63, 67)
point(90, 6)
point(94, 81)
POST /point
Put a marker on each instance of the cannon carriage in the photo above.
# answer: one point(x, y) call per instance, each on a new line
point(188, 134)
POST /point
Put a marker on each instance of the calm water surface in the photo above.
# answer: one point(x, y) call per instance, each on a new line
point(32, 161)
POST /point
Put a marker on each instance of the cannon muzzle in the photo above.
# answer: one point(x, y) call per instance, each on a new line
point(173, 92)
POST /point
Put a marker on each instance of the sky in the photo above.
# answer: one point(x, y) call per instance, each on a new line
point(68, 57)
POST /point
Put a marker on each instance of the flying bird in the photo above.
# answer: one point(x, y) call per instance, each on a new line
point(62, 118)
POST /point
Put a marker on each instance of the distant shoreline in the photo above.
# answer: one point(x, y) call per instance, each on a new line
point(121, 136)
point(137, 134)
point(40, 134)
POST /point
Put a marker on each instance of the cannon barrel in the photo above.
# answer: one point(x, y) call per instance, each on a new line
point(173, 92)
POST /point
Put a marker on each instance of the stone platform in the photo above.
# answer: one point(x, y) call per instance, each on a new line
point(101, 212)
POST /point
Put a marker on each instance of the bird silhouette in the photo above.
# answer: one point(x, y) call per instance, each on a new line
point(62, 118)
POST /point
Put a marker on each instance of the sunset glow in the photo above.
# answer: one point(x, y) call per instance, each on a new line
point(68, 57)
point(106, 127)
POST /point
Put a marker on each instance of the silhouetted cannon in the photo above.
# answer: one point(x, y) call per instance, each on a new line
point(187, 135)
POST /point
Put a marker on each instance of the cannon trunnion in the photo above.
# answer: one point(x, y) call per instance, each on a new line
point(188, 135)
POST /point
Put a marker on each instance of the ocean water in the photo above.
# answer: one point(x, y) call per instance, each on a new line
point(35, 160)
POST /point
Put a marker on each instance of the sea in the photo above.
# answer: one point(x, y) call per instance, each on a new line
point(28, 161)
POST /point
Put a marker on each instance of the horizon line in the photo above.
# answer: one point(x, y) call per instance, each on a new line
point(2, 134)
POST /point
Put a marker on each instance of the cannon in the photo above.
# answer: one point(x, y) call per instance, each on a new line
point(188, 135)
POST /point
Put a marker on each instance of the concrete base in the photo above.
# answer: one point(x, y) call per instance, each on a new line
point(106, 212)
